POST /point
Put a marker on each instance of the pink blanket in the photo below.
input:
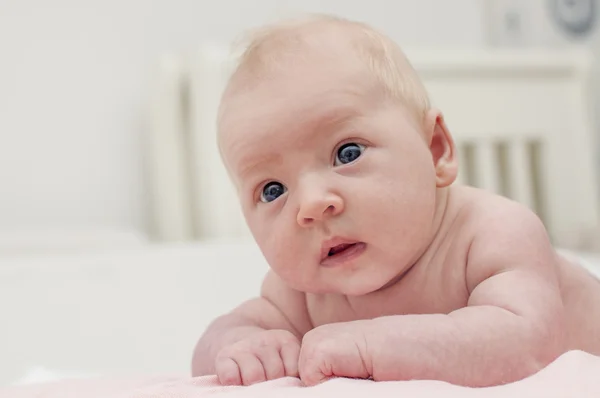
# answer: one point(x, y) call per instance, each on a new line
point(575, 374)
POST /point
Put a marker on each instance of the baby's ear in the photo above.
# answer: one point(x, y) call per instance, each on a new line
point(441, 145)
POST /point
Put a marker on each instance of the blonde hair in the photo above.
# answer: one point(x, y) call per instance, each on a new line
point(268, 46)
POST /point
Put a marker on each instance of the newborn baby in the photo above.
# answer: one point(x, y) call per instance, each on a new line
point(381, 267)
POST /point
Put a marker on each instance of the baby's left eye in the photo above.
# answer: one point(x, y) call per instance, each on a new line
point(272, 191)
point(348, 153)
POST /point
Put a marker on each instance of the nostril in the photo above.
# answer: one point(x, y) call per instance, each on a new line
point(308, 220)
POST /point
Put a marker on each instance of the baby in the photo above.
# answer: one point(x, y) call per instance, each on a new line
point(381, 267)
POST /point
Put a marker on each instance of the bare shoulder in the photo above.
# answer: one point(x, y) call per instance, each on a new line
point(504, 236)
point(291, 303)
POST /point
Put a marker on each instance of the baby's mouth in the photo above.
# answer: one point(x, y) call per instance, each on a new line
point(339, 249)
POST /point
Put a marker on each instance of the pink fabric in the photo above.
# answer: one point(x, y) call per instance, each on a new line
point(574, 374)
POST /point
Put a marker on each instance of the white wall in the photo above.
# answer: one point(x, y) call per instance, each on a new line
point(74, 76)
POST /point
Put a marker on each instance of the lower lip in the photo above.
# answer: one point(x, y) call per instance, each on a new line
point(345, 256)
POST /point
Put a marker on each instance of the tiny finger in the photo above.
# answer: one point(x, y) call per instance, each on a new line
point(251, 369)
point(228, 372)
point(272, 363)
point(311, 376)
point(290, 354)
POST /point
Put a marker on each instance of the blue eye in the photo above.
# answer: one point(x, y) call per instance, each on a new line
point(348, 153)
point(272, 191)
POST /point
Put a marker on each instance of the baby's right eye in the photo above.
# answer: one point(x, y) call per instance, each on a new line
point(272, 191)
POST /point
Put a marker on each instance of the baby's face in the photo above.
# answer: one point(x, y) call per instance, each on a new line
point(336, 182)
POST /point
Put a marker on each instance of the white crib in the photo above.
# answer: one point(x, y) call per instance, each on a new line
point(520, 118)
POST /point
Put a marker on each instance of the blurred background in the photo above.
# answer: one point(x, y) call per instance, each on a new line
point(101, 268)
point(75, 79)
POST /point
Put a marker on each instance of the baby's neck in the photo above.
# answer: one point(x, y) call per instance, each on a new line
point(442, 202)
point(442, 199)
point(441, 218)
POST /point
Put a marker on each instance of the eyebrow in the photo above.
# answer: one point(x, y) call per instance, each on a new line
point(340, 118)
point(330, 121)
point(259, 162)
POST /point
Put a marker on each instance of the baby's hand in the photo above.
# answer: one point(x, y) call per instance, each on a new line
point(267, 355)
point(337, 349)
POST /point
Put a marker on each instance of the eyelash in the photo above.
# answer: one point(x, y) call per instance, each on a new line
point(344, 142)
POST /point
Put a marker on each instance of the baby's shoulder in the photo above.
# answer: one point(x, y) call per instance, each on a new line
point(503, 233)
point(489, 213)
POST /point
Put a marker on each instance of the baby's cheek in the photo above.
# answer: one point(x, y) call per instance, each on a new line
point(281, 250)
point(398, 210)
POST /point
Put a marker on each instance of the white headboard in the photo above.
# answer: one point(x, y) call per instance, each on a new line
point(520, 120)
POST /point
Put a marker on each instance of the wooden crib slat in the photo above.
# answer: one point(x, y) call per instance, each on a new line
point(168, 167)
point(520, 172)
point(486, 166)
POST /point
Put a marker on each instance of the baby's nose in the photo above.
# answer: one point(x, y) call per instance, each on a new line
point(318, 207)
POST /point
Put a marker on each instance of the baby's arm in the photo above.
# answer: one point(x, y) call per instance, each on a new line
point(511, 327)
point(278, 308)
point(513, 323)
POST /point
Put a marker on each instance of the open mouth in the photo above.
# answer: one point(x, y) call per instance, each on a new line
point(339, 249)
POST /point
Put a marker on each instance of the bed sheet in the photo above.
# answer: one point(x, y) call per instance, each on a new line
point(573, 375)
point(123, 312)
point(117, 312)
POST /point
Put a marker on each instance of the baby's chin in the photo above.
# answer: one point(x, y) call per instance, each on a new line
point(353, 284)
point(362, 289)
point(356, 287)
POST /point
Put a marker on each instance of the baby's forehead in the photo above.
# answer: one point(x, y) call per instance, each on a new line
point(260, 132)
point(266, 120)
point(300, 92)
